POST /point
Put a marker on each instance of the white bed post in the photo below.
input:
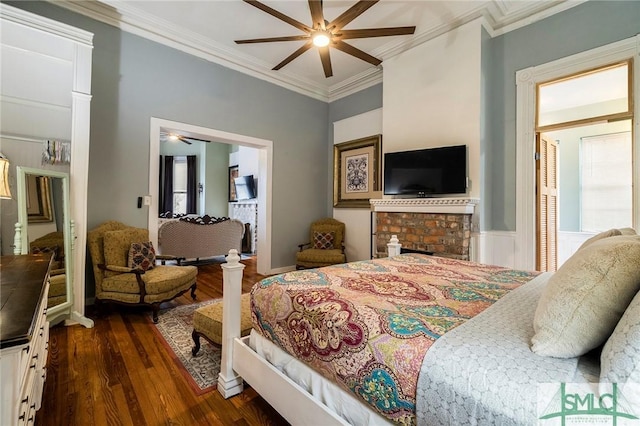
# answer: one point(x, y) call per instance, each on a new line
point(229, 382)
point(17, 239)
point(393, 246)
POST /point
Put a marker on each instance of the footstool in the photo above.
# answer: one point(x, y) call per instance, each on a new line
point(207, 322)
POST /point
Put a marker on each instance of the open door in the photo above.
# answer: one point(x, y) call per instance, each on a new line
point(546, 203)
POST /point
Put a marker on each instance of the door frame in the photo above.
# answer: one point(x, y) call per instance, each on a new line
point(265, 166)
point(526, 82)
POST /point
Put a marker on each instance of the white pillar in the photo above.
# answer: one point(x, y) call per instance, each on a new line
point(393, 246)
point(229, 382)
point(17, 239)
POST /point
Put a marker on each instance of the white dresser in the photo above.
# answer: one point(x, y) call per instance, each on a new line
point(24, 336)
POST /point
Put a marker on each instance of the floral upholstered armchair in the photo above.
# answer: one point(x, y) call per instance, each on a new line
point(125, 270)
point(325, 246)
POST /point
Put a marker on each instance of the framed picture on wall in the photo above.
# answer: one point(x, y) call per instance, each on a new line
point(233, 173)
point(357, 172)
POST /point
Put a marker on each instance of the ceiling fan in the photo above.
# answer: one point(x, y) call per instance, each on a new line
point(168, 137)
point(324, 34)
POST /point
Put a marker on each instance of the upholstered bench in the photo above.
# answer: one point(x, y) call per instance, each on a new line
point(207, 322)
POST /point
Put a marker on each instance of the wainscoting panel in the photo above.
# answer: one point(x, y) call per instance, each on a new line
point(500, 247)
point(569, 242)
point(494, 248)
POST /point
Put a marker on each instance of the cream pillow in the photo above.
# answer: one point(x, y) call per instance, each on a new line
point(620, 357)
point(598, 237)
point(627, 231)
point(586, 297)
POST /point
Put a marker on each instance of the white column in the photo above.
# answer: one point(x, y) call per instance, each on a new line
point(229, 382)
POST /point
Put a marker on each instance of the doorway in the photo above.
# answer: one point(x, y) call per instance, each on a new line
point(264, 182)
point(527, 81)
point(583, 158)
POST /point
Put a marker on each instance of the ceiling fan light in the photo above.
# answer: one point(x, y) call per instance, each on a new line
point(321, 39)
point(173, 137)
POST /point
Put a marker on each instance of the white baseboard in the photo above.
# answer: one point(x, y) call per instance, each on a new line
point(282, 270)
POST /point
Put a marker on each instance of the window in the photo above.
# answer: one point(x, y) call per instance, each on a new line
point(606, 182)
point(180, 184)
point(587, 97)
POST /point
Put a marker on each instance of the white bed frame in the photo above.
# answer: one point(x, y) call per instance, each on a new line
point(239, 362)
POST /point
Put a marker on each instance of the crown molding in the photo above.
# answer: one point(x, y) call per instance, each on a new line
point(21, 17)
point(502, 17)
point(122, 15)
point(364, 80)
point(498, 17)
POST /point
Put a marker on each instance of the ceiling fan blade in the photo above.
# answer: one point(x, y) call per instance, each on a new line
point(375, 32)
point(182, 139)
point(272, 39)
point(195, 139)
point(279, 15)
point(352, 13)
point(347, 48)
point(294, 55)
point(317, 17)
point(326, 61)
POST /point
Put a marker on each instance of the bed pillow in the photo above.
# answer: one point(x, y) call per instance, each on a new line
point(142, 256)
point(323, 240)
point(586, 296)
point(598, 237)
point(620, 357)
point(627, 231)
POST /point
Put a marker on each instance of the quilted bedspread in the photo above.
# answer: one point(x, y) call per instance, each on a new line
point(368, 325)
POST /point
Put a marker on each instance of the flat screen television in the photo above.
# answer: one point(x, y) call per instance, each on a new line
point(426, 172)
point(245, 187)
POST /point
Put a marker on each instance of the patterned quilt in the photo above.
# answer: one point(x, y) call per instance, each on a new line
point(368, 325)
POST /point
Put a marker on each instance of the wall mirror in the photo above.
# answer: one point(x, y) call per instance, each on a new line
point(44, 226)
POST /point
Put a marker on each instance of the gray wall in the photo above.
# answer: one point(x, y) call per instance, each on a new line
point(584, 27)
point(134, 79)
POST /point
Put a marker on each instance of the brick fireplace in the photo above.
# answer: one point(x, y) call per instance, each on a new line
point(439, 225)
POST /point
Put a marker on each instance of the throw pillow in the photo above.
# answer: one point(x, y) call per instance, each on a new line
point(323, 240)
point(598, 237)
point(142, 256)
point(586, 297)
point(620, 357)
point(116, 245)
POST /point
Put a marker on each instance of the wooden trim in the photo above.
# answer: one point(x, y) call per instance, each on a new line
point(587, 121)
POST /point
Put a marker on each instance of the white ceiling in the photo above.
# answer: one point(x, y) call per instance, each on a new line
point(208, 28)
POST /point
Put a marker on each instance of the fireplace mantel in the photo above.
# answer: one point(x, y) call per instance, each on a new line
point(425, 205)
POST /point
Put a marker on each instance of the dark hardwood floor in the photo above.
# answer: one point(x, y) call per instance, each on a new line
point(119, 373)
